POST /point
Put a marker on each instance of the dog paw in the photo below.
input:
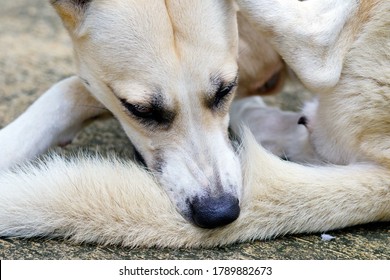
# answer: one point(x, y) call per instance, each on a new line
point(309, 112)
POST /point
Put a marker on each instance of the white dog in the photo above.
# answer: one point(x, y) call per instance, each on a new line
point(168, 71)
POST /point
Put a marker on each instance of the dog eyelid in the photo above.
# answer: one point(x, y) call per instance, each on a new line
point(137, 109)
point(223, 91)
point(149, 115)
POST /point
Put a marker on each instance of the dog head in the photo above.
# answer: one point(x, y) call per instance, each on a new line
point(167, 70)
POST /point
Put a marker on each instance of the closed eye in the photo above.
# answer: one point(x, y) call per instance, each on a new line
point(137, 110)
point(223, 92)
point(149, 115)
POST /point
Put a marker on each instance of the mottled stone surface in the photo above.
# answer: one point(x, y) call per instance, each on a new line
point(35, 52)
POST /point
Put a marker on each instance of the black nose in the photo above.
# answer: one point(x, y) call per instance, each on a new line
point(212, 212)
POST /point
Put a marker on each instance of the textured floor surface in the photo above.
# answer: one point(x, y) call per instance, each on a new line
point(35, 52)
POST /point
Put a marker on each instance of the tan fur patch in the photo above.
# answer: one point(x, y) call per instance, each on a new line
point(70, 11)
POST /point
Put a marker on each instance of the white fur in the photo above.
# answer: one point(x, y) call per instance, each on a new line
point(116, 202)
point(307, 34)
point(54, 119)
point(276, 130)
point(147, 55)
point(109, 201)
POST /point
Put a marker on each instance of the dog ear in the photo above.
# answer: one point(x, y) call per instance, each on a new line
point(71, 11)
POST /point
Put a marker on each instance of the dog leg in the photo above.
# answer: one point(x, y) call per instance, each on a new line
point(54, 119)
point(311, 36)
point(276, 130)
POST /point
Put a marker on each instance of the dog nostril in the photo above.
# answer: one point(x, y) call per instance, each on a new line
point(212, 212)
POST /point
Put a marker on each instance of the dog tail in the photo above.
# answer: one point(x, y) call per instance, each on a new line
point(87, 200)
point(109, 201)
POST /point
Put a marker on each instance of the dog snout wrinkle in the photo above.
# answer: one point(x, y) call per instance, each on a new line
point(212, 212)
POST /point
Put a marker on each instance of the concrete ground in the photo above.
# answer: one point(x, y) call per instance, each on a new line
point(35, 52)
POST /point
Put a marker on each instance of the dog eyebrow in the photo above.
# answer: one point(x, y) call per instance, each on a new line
point(148, 96)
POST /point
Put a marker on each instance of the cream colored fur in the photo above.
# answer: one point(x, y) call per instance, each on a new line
point(115, 202)
point(112, 202)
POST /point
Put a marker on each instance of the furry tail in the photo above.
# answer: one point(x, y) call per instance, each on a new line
point(109, 201)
